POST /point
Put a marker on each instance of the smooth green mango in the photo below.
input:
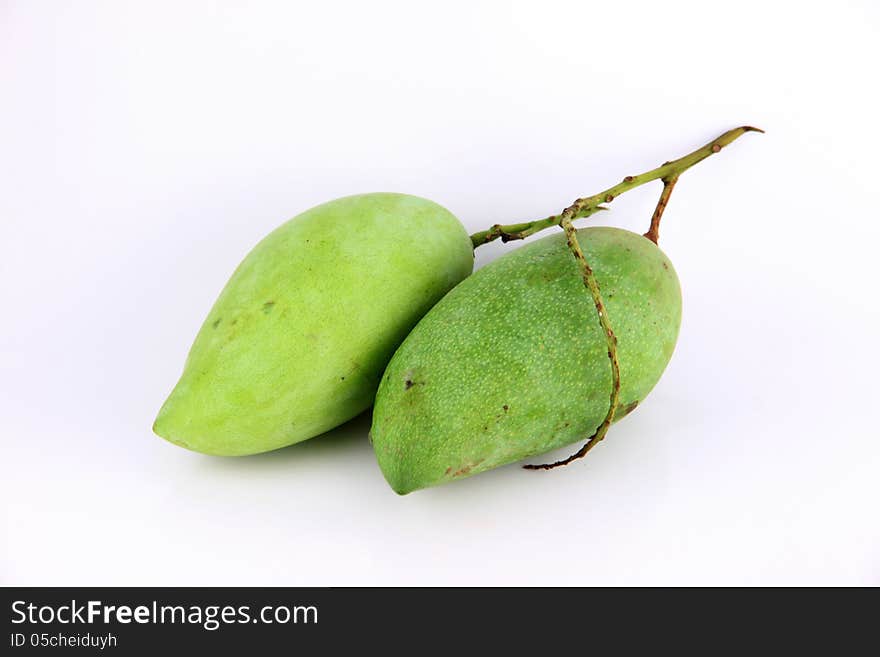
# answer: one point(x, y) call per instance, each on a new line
point(297, 342)
point(513, 361)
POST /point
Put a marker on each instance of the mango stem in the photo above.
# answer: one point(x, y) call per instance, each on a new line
point(653, 233)
point(584, 207)
point(592, 286)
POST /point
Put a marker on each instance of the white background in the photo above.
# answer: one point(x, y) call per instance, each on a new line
point(146, 147)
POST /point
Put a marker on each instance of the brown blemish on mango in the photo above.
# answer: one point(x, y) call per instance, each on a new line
point(465, 469)
point(627, 409)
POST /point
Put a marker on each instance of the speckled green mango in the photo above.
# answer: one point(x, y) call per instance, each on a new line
point(297, 342)
point(513, 362)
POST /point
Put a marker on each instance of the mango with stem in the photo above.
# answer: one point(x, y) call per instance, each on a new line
point(517, 360)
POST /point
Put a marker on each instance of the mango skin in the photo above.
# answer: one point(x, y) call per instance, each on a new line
point(298, 339)
point(513, 362)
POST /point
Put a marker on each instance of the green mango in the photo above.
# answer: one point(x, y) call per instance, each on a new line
point(297, 341)
point(513, 362)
